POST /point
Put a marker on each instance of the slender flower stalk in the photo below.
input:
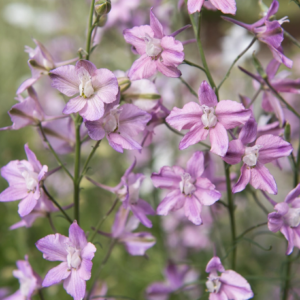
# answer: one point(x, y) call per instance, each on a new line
point(90, 30)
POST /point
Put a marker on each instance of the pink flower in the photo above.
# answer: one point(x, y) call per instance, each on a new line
point(187, 189)
point(96, 87)
point(229, 286)
point(158, 52)
point(76, 255)
point(287, 219)
point(226, 6)
point(211, 117)
point(24, 179)
point(29, 281)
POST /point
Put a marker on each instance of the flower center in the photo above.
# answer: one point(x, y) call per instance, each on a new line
point(187, 184)
point(251, 155)
point(213, 284)
point(25, 284)
point(73, 258)
point(111, 121)
point(292, 217)
point(31, 178)
point(153, 47)
point(208, 118)
point(86, 89)
point(134, 190)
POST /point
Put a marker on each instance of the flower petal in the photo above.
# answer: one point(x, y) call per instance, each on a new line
point(206, 95)
point(194, 5)
point(167, 178)
point(192, 209)
point(74, 105)
point(235, 151)
point(93, 109)
point(225, 6)
point(218, 139)
point(293, 194)
point(248, 132)
point(144, 67)
point(140, 210)
point(195, 165)
point(27, 204)
point(197, 133)
point(275, 221)
point(77, 236)
point(169, 71)
point(85, 269)
point(173, 201)
point(75, 286)
point(13, 193)
point(122, 141)
point(88, 251)
point(95, 130)
point(156, 25)
point(243, 180)
point(56, 275)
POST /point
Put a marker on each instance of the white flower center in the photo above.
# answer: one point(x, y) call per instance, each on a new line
point(111, 121)
point(153, 47)
point(213, 284)
point(86, 89)
point(292, 217)
point(251, 155)
point(25, 284)
point(73, 258)
point(187, 184)
point(31, 178)
point(134, 190)
point(208, 118)
point(122, 193)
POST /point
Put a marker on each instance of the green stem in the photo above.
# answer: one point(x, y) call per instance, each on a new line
point(231, 214)
point(297, 167)
point(51, 223)
point(255, 97)
point(289, 36)
point(57, 205)
point(234, 62)
point(189, 87)
point(103, 219)
point(253, 193)
point(41, 295)
point(187, 62)
point(250, 229)
point(90, 31)
point(53, 151)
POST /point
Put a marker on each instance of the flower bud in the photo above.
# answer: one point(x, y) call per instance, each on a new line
point(124, 83)
point(102, 7)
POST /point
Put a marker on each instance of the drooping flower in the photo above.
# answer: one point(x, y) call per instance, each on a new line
point(211, 117)
point(228, 286)
point(187, 188)
point(128, 193)
point(120, 124)
point(29, 280)
point(158, 52)
point(226, 6)
point(76, 255)
point(96, 87)
point(266, 148)
point(287, 219)
point(24, 178)
point(269, 32)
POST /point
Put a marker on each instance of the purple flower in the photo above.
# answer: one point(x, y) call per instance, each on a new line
point(158, 52)
point(266, 148)
point(226, 6)
point(229, 286)
point(268, 32)
point(119, 124)
point(287, 219)
point(29, 281)
point(128, 193)
point(24, 179)
point(187, 189)
point(76, 255)
point(96, 87)
point(211, 117)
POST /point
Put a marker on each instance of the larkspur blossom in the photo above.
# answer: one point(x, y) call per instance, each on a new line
point(287, 219)
point(96, 87)
point(228, 286)
point(226, 6)
point(211, 117)
point(24, 178)
point(188, 188)
point(76, 255)
point(158, 52)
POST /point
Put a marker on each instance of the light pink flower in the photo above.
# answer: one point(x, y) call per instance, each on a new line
point(226, 6)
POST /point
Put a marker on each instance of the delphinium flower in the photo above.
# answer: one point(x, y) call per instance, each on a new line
point(287, 219)
point(96, 87)
point(268, 32)
point(226, 6)
point(24, 178)
point(254, 154)
point(176, 276)
point(29, 280)
point(210, 117)
point(228, 286)
point(76, 255)
point(127, 192)
point(188, 189)
point(158, 51)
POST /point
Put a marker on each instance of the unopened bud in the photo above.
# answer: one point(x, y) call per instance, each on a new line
point(102, 7)
point(142, 96)
point(124, 83)
point(100, 21)
point(287, 132)
point(259, 67)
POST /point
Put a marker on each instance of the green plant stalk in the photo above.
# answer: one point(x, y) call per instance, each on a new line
point(90, 30)
point(189, 87)
point(187, 62)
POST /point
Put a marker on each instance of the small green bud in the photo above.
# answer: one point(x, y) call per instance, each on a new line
point(259, 67)
point(102, 7)
point(287, 132)
point(124, 83)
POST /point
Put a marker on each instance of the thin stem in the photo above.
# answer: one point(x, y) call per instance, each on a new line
point(291, 38)
point(187, 62)
point(234, 62)
point(231, 214)
point(250, 229)
point(51, 222)
point(41, 294)
point(98, 226)
point(286, 287)
point(90, 31)
point(56, 204)
point(255, 97)
point(86, 164)
point(189, 87)
point(53, 151)
point(259, 203)
point(297, 168)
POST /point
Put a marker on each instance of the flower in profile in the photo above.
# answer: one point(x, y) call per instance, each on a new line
point(287, 219)
point(127, 192)
point(76, 255)
point(269, 32)
point(187, 188)
point(210, 117)
point(227, 286)
point(226, 6)
point(254, 155)
point(24, 178)
point(29, 280)
point(119, 124)
point(158, 51)
point(96, 87)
